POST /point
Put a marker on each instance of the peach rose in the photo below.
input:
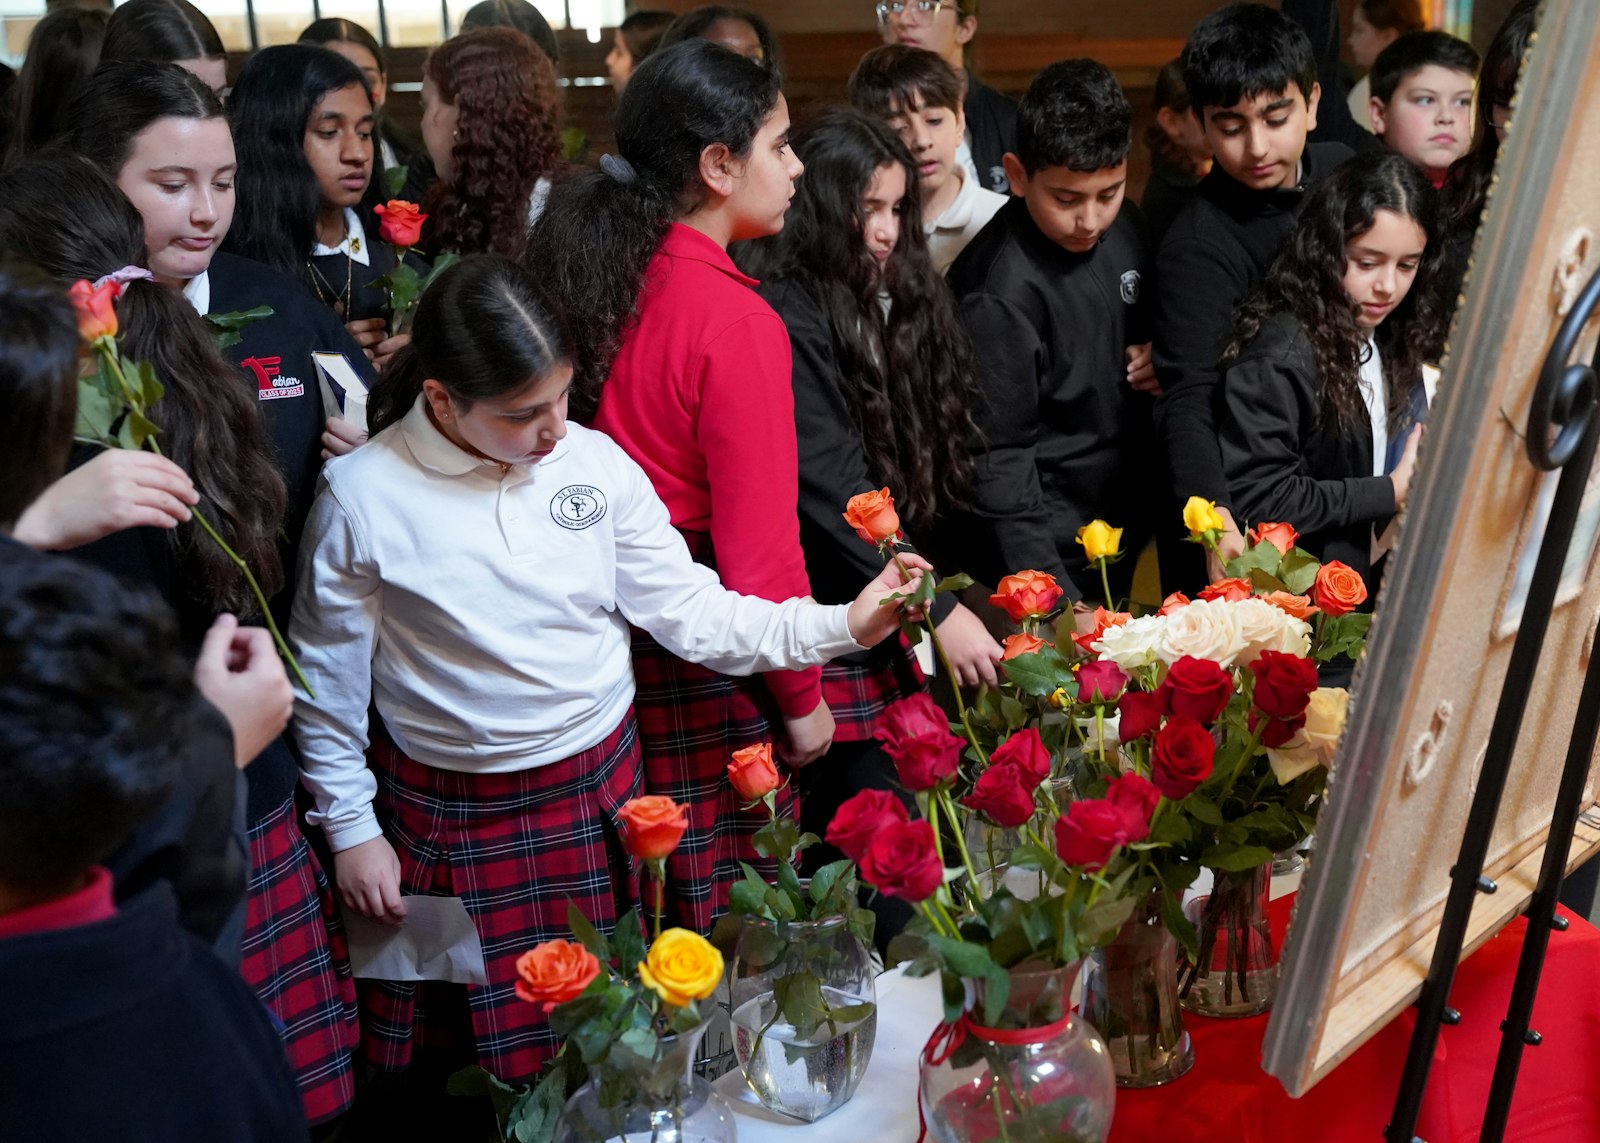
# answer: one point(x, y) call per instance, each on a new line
point(1298, 606)
point(1339, 588)
point(1103, 621)
point(873, 517)
point(1022, 644)
point(652, 825)
point(1280, 536)
point(1232, 590)
point(402, 222)
point(752, 772)
point(1027, 595)
point(97, 313)
point(555, 972)
point(1173, 602)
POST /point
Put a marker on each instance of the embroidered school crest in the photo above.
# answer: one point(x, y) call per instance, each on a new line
point(578, 506)
point(1130, 286)
point(271, 385)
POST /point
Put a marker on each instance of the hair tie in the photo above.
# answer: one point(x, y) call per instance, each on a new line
point(125, 275)
point(618, 169)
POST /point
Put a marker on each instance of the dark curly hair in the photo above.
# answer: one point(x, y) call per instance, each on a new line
point(597, 235)
point(908, 375)
point(508, 137)
point(1306, 279)
point(1074, 115)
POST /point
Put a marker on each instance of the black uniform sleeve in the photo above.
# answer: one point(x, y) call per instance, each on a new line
point(1195, 296)
point(1008, 500)
point(1264, 411)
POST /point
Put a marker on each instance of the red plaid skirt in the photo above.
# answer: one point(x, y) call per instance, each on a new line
point(295, 959)
point(517, 848)
point(858, 693)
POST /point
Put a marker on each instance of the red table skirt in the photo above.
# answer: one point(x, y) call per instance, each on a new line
point(1227, 1097)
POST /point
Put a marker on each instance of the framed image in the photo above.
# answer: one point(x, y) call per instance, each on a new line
point(1424, 696)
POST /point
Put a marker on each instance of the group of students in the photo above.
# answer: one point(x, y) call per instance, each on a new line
point(511, 623)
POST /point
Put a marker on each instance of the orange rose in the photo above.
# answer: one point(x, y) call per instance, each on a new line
point(555, 972)
point(1231, 590)
point(752, 772)
point(873, 517)
point(1280, 536)
point(1103, 620)
point(1027, 595)
point(1022, 644)
point(1173, 602)
point(1339, 588)
point(97, 313)
point(1298, 606)
point(402, 222)
point(652, 825)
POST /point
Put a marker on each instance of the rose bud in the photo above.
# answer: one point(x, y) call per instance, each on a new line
point(1100, 682)
point(1200, 516)
point(1173, 602)
point(861, 818)
point(1197, 689)
point(652, 825)
point(401, 222)
point(752, 773)
point(97, 313)
point(1280, 536)
point(1182, 757)
point(1027, 595)
point(1024, 750)
point(1339, 588)
point(902, 862)
point(1004, 795)
point(1100, 541)
point(873, 517)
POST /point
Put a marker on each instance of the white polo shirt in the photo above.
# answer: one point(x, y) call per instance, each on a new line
point(968, 213)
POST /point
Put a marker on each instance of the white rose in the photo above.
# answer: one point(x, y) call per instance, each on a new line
point(1264, 627)
point(1314, 743)
point(1206, 629)
point(1132, 645)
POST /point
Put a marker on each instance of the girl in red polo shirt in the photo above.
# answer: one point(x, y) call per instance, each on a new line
point(688, 369)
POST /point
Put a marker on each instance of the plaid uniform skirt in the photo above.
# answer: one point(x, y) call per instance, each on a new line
point(859, 693)
point(691, 720)
point(516, 847)
point(295, 958)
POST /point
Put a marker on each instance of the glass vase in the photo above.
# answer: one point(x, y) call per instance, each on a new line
point(655, 1099)
point(805, 1012)
point(1130, 994)
point(1042, 1076)
point(1236, 972)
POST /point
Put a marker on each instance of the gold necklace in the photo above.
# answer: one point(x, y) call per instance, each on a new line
point(339, 303)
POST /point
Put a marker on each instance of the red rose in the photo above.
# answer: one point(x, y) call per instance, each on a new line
point(1284, 683)
point(917, 736)
point(1003, 795)
point(1135, 798)
point(861, 818)
point(1280, 536)
point(1182, 757)
point(1339, 588)
point(1024, 750)
point(1231, 590)
point(1100, 681)
point(1142, 712)
point(1173, 602)
point(1090, 832)
point(1197, 689)
point(1277, 731)
point(400, 222)
point(902, 862)
point(1027, 595)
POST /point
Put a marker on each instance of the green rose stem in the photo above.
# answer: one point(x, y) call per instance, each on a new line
point(949, 670)
point(106, 347)
point(1105, 583)
point(938, 801)
point(658, 866)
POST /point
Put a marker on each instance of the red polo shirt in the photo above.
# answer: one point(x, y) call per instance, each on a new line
point(700, 396)
point(83, 906)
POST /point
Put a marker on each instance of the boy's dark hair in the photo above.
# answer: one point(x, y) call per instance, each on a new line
point(1416, 50)
point(1401, 15)
point(1075, 115)
point(95, 696)
point(1246, 50)
point(895, 78)
point(38, 384)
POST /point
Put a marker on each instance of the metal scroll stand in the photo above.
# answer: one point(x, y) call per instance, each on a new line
point(1564, 403)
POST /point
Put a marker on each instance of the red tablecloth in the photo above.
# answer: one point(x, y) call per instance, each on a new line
point(1227, 1097)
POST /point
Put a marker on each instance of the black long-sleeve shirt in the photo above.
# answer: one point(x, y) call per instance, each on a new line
point(992, 122)
point(1068, 440)
point(1215, 251)
point(1335, 124)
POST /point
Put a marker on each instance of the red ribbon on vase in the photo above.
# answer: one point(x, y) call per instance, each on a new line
point(948, 1037)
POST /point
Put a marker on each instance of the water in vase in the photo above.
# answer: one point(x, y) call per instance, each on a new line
point(805, 1077)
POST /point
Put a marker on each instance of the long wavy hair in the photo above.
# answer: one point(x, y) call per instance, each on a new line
point(508, 137)
point(1306, 280)
point(597, 234)
point(120, 100)
point(1467, 186)
point(484, 329)
point(62, 50)
point(63, 213)
point(907, 375)
point(275, 211)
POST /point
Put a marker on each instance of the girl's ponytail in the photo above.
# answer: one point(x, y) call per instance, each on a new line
point(395, 391)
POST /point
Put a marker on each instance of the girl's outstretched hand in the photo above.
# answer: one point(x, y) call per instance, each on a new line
point(871, 620)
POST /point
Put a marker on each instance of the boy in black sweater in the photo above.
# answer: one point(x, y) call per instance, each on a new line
point(1050, 290)
point(1252, 82)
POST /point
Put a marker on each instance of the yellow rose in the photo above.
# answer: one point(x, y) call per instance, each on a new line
point(1201, 516)
point(681, 966)
point(1314, 743)
point(1100, 540)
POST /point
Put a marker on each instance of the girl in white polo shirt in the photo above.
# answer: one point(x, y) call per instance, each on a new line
point(472, 573)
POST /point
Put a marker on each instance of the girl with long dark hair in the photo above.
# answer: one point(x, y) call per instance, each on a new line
point(167, 31)
point(350, 40)
point(688, 369)
point(62, 49)
point(883, 385)
point(473, 572)
point(62, 212)
point(491, 121)
point(1321, 385)
point(304, 124)
point(636, 37)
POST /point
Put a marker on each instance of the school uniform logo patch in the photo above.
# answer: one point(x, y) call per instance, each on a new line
point(1130, 286)
point(271, 385)
point(577, 506)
